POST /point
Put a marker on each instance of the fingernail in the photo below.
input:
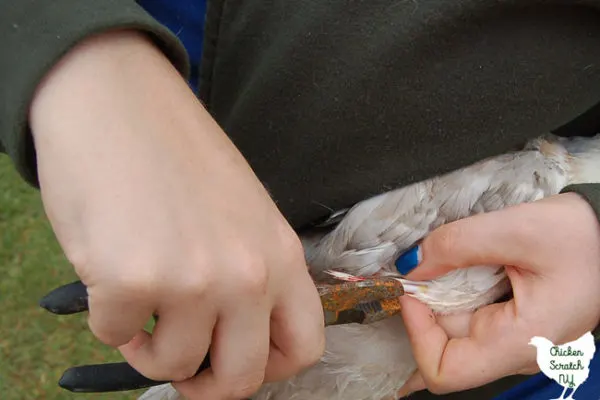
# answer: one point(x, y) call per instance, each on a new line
point(409, 260)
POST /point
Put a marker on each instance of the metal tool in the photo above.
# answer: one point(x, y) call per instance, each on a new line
point(345, 300)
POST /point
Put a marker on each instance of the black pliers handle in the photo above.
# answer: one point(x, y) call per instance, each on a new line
point(352, 301)
point(111, 377)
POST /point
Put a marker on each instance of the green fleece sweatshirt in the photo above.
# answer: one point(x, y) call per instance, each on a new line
point(333, 101)
point(329, 113)
point(336, 84)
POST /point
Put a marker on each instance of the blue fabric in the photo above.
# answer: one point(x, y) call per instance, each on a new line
point(185, 18)
point(539, 387)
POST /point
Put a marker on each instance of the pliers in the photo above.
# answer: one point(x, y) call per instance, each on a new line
point(346, 299)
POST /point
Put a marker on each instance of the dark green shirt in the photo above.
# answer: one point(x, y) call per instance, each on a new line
point(333, 102)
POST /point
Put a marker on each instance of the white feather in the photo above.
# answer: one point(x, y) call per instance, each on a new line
point(161, 392)
point(372, 362)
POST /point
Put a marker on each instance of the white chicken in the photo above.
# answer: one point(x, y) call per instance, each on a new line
point(567, 364)
point(371, 236)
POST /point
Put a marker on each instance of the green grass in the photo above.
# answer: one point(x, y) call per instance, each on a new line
point(36, 346)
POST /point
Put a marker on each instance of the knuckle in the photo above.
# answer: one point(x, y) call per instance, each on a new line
point(134, 273)
point(436, 390)
point(138, 280)
point(253, 276)
point(158, 375)
point(153, 374)
point(106, 334)
point(440, 380)
point(183, 372)
point(196, 285)
point(319, 349)
point(306, 355)
point(103, 335)
point(437, 385)
point(307, 359)
point(173, 369)
point(199, 275)
point(246, 386)
point(293, 251)
point(78, 258)
point(291, 245)
point(312, 354)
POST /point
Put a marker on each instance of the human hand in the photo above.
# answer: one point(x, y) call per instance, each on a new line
point(158, 212)
point(551, 249)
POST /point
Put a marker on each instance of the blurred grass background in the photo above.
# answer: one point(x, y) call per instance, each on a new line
point(36, 346)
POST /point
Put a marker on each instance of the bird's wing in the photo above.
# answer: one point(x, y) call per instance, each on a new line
point(377, 230)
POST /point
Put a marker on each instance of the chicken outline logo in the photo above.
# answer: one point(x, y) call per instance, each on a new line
point(567, 364)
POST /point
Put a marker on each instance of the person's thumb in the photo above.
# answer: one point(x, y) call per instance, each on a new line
point(483, 239)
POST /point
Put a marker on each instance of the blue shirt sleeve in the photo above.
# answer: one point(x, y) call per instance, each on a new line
point(185, 18)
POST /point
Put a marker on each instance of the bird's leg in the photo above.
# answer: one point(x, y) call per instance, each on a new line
point(413, 287)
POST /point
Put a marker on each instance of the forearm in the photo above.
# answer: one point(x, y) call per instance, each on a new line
point(36, 34)
point(114, 101)
point(157, 211)
point(108, 86)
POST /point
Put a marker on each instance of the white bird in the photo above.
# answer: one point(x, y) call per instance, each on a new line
point(372, 362)
point(567, 364)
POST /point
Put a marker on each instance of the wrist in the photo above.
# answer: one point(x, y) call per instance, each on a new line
point(117, 99)
point(97, 82)
point(113, 91)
